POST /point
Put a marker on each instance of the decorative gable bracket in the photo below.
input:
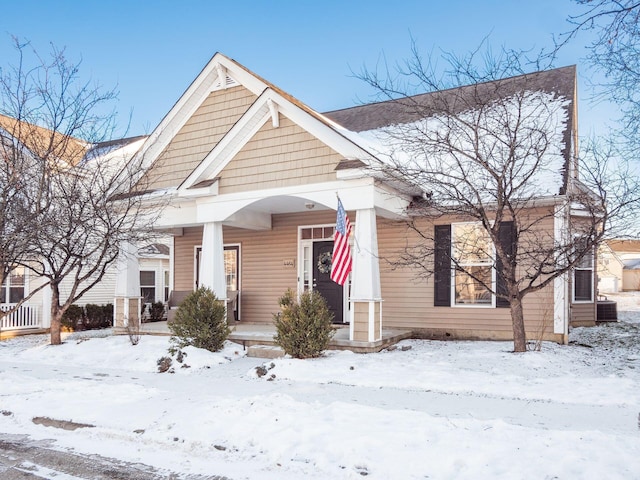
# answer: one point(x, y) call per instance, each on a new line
point(224, 80)
point(275, 115)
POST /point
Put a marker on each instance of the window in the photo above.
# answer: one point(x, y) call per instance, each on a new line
point(12, 290)
point(148, 286)
point(231, 266)
point(468, 246)
point(583, 276)
point(166, 285)
point(472, 251)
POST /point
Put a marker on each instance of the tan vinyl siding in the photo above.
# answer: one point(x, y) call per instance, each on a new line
point(583, 314)
point(279, 157)
point(630, 280)
point(211, 121)
point(263, 277)
point(408, 300)
point(184, 258)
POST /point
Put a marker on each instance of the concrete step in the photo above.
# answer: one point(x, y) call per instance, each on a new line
point(265, 351)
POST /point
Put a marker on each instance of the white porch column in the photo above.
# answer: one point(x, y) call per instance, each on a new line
point(561, 296)
point(212, 260)
point(127, 303)
point(366, 301)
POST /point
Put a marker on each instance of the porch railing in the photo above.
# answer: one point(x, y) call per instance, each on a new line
point(24, 317)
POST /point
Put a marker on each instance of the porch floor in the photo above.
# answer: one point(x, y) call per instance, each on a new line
point(249, 334)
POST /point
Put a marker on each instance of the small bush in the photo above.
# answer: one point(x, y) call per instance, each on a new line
point(107, 315)
point(98, 316)
point(304, 328)
point(200, 321)
point(134, 333)
point(156, 312)
point(72, 317)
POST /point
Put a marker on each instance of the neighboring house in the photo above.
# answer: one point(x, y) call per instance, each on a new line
point(252, 176)
point(24, 142)
point(628, 254)
point(610, 270)
point(154, 273)
point(153, 259)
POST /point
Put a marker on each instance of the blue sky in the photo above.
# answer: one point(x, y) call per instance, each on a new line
point(152, 50)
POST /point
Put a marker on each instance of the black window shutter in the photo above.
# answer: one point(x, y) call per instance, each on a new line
point(442, 266)
point(506, 237)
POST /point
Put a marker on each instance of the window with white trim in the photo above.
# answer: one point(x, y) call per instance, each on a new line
point(148, 286)
point(472, 252)
point(165, 276)
point(231, 266)
point(12, 290)
point(583, 276)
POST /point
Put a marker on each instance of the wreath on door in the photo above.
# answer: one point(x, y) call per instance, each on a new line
point(324, 262)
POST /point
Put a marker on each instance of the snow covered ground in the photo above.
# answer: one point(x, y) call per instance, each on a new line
point(438, 410)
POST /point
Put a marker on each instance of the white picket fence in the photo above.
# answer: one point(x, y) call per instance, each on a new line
point(24, 317)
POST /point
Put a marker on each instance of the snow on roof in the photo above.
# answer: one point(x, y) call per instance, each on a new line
point(120, 150)
point(631, 264)
point(444, 135)
point(520, 137)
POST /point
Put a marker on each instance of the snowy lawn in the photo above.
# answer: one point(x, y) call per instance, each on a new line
point(428, 409)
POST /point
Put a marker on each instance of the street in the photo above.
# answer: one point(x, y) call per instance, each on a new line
point(22, 458)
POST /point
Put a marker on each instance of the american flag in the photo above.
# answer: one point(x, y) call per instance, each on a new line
point(341, 259)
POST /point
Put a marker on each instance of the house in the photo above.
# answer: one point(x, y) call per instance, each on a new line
point(22, 146)
point(252, 175)
point(622, 256)
point(20, 141)
point(610, 270)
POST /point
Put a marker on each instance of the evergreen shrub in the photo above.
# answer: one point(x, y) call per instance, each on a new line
point(97, 316)
point(200, 321)
point(304, 328)
point(72, 317)
point(156, 312)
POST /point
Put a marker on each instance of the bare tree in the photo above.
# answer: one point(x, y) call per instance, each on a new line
point(496, 162)
point(19, 182)
point(615, 53)
point(95, 209)
point(36, 138)
point(85, 203)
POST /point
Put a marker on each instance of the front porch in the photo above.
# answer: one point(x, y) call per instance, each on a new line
point(247, 335)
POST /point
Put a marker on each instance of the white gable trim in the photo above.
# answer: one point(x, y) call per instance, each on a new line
point(219, 73)
point(268, 107)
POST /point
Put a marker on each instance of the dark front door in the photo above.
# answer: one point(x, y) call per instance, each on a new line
point(330, 290)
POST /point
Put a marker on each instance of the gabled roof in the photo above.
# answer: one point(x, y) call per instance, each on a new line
point(154, 249)
point(45, 143)
point(343, 130)
point(267, 107)
point(624, 245)
point(220, 73)
point(122, 149)
point(370, 119)
point(372, 116)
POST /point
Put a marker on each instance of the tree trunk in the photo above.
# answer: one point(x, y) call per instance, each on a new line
point(56, 316)
point(517, 321)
